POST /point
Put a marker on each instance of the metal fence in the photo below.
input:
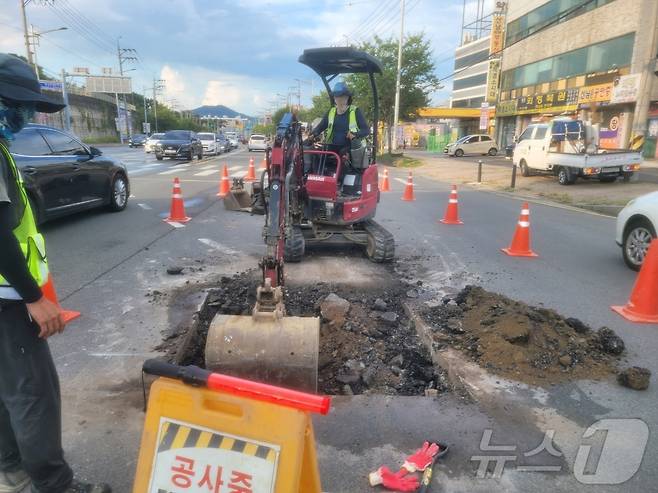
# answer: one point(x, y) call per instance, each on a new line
point(436, 143)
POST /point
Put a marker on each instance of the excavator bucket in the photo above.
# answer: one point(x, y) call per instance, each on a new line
point(238, 198)
point(280, 351)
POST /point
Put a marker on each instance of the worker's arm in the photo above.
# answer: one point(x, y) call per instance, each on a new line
point(322, 126)
point(364, 128)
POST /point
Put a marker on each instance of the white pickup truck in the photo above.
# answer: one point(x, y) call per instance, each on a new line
point(569, 150)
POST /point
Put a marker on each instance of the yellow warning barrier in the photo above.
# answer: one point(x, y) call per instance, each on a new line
point(199, 440)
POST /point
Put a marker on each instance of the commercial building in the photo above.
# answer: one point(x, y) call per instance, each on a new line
point(591, 59)
point(469, 88)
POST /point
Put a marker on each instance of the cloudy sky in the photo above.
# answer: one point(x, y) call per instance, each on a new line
point(239, 53)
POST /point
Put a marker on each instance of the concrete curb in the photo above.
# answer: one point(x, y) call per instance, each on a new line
point(192, 332)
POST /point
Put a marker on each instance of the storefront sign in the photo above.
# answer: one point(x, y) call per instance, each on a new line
point(506, 108)
point(595, 94)
point(497, 33)
point(484, 116)
point(555, 101)
point(626, 89)
point(493, 79)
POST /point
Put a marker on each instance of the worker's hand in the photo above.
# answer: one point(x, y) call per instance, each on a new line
point(350, 135)
point(398, 481)
point(48, 317)
point(310, 140)
point(421, 458)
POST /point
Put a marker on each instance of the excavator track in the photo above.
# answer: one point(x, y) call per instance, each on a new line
point(381, 243)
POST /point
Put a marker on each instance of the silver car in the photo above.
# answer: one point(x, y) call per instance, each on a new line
point(472, 144)
point(149, 145)
point(637, 224)
point(257, 143)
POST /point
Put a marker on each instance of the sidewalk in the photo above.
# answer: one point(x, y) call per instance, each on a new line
point(606, 198)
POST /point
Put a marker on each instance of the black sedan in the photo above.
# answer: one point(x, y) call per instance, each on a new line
point(62, 175)
point(179, 144)
point(137, 140)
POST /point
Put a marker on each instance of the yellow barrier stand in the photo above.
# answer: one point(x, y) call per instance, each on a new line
point(235, 436)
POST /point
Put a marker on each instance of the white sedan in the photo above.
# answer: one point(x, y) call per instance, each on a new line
point(637, 224)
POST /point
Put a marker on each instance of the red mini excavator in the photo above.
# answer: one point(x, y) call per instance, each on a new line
point(309, 195)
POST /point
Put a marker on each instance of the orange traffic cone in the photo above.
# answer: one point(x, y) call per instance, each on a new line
point(263, 163)
point(385, 186)
point(643, 305)
point(520, 246)
point(251, 172)
point(177, 211)
point(224, 185)
point(49, 292)
point(409, 190)
point(452, 212)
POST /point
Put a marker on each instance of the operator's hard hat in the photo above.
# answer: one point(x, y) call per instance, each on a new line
point(341, 89)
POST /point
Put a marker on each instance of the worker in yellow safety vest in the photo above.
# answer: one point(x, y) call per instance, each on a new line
point(344, 122)
point(30, 403)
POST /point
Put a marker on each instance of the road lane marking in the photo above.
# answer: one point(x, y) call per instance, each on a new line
point(401, 180)
point(169, 171)
point(218, 246)
point(146, 207)
point(175, 224)
point(207, 172)
point(235, 168)
point(211, 166)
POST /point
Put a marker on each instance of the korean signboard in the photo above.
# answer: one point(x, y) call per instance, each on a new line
point(493, 79)
point(192, 459)
point(497, 33)
point(50, 85)
point(625, 89)
point(595, 94)
point(113, 85)
point(484, 116)
point(555, 101)
point(506, 108)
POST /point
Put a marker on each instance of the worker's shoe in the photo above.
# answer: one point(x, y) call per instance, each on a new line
point(13, 482)
point(80, 487)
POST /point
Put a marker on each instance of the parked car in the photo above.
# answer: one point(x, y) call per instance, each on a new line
point(223, 143)
point(209, 142)
point(179, 144)
point(232, 137)
point(637, 224)
point(569, 150)
point(137, 140)
point(472, 144)
point(257, 142)
point(150, 143)
point(62, 175)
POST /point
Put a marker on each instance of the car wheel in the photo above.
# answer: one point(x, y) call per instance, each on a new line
point(637, 237)
point(459, 153)
point(525, 171)
point(200, 156)
point(159, 158)
point(119, 193)
point(564, 176)
point(493, 151)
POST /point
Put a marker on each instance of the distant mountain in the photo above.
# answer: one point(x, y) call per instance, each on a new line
point(219, 111)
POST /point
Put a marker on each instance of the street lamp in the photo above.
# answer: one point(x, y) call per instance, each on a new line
point(35, 42)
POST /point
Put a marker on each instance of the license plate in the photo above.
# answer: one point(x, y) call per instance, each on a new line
point(170, 151)
point(611, 170)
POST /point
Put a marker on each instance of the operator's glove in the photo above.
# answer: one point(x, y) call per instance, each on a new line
point(421, 458)
point(398, 481)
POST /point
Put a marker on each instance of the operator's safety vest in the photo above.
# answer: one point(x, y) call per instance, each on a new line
point(353, 125)
point(31, 242)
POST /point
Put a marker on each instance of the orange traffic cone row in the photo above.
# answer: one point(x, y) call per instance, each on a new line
point(49, 292)
point(251, 172)
point(643, 305)
point(409, 190)
point(177, 211)
point(452, 212)
point(263, 163)
point(224, 184)
point(520, 246)
point(385, 186)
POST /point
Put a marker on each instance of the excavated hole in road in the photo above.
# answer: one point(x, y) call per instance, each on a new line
point(374, 348)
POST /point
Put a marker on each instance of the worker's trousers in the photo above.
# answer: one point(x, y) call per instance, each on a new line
point(30, 404)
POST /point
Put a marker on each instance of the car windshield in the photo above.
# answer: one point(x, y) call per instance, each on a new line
point(177, 135)
point(206, 136)
point(156, 136)
point(257, 137)
point(463, 139)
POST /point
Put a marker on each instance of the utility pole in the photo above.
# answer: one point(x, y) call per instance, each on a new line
point(124, 55)
point(158, 84)
point(396, 111)
point(25, 33)
point(146, 116)
point(65, 99)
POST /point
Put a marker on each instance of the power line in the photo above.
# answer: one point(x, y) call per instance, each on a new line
point(379, 12)
point(69, 17)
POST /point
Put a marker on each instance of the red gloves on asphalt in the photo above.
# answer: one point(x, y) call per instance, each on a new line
point(422, 458)
point(398, 481)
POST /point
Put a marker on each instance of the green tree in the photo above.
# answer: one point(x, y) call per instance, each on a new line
point(417, 79)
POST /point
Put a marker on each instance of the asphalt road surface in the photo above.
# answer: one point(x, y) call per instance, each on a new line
point(109, 267)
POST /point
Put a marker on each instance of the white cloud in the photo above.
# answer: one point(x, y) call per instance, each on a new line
point(219, 92)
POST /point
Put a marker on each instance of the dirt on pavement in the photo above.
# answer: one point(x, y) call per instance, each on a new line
point(517, 341)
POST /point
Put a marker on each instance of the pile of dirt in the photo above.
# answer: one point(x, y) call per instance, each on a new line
point(530, 344)
point(367, 343)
